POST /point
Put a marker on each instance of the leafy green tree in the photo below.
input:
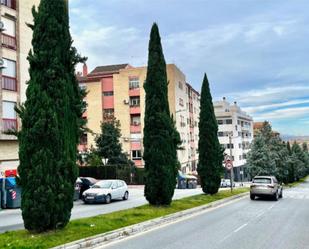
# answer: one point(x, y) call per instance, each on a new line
point(258, 159)
point(51, 122)
point(210, 151)
point(161, 139)
point(299, 161)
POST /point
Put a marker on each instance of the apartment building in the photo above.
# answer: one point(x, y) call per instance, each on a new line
point(117, 91)
point(15, 45)
point(235, 133)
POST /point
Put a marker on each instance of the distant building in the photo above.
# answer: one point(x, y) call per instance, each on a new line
point(257, 126)
point(237, 124)
point(15, 45)
point(117, 91)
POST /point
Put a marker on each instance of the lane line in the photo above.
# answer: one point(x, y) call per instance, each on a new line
point(241, 227)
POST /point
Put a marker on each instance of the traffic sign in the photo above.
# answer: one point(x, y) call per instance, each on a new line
point(228, 163)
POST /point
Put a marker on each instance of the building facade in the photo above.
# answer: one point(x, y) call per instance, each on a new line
point(15, 45)
point(235, 133)
point(117, 91)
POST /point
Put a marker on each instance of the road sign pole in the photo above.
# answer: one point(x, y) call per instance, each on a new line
point(231, 170)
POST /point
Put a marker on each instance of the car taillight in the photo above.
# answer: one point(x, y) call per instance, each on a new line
point(252, 185)
point(270, 186)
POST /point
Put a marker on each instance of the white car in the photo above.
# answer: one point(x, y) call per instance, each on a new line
point(105, 191)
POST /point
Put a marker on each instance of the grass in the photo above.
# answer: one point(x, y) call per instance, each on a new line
point(294, 184)
point(86, 227)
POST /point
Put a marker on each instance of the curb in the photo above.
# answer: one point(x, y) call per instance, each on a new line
point(104, 238)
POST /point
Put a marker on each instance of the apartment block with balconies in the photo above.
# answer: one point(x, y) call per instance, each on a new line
point(15, 44)
point(124, 98)
point(237, 124)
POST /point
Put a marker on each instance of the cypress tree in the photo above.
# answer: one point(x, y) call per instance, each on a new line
point(160, 136)
point(51, 121)
point(210, 151)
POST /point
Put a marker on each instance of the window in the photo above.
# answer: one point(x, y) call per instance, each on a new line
point(220, 134)
point(8, 111)
point(9, 27)
point(10, 69)
point(220, 122)
point(240, 157)
point(83, 139)
point(134, 101)
point(180, 85)
point(110, 93)
point(135, 119)
point(133, 83)
point(228, 121)
point(136, 154)
point(109, 112)
point(230, 146)
point(180, 101)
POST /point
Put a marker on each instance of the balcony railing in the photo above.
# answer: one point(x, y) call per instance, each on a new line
point(9, 124)
point(9, 83)
point(9, 3)
point(9, 41)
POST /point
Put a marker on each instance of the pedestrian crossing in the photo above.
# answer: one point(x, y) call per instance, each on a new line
point(299, 194)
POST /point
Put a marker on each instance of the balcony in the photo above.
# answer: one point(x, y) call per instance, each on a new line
point(135, 109)
point(9, 41)
point(9, 3)
point(9, 83)
point(9, 124)
point(135, 128)
point(134, 92)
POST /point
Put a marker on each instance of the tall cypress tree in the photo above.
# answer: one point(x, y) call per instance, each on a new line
point(210, 151)
point(160, 136)
point(51, 122)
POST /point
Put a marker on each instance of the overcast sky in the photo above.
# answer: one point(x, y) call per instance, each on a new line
point(254, 51)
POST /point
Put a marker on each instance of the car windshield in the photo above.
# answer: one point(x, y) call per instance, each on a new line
point(262, 180)
point(103, 184)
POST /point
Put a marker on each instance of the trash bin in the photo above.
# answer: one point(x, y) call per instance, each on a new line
point(192, 183)
point(13, 193)
point(2, 193)
point(182, 183)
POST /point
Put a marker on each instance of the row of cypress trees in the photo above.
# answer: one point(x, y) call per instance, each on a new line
point(52, 124)
point(161, 139)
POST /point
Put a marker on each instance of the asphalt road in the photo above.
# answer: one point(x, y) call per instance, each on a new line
point(243, 224)
point(12, 219)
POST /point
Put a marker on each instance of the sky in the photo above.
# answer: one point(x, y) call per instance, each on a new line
point(255, 52)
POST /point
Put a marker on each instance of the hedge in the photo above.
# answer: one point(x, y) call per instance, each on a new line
point(114, 172)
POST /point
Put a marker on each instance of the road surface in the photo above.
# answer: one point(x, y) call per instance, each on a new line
point(243, 224)
point(12, 219)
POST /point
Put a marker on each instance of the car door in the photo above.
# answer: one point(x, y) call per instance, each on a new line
point(115, 191)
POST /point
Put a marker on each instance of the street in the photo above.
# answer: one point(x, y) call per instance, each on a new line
point(241, 225)
point(12, 219)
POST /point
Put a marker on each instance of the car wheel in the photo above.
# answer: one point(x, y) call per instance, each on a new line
point(108, 199)
point(252, 197)
point(126, 196)
point(276, 196)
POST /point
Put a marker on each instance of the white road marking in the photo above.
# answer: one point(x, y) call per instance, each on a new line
point(241, 227)
point(271, 206)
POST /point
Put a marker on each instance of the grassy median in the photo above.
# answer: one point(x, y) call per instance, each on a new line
point(294, 184)
point(86, 227)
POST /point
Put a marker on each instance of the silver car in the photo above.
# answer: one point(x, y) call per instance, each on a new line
point(265, 186)
point(105, 191)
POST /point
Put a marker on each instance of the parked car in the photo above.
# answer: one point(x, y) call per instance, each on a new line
point(265, 186)
point(223, 183)
point(105, 191)
point(84, 183)
point(226, 183)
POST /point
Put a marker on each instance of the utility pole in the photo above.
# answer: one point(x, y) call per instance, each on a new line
point(231, 156)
